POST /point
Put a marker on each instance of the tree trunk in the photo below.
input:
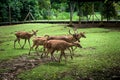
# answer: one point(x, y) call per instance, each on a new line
point(93, 12)
point(9, 14)
point(72, 6)
point(79, 15)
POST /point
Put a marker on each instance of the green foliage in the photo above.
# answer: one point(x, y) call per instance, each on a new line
point(87, 8)
point(3, 11)
point(109, 12)
point(63, 16)
point(52, 9)
point(16, 7)
point(44, 4)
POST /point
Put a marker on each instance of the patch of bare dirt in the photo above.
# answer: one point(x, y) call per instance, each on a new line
point(11, 68)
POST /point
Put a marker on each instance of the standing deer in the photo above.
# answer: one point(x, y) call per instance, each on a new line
point(24, 35)
point(38, 41)
point(69, 38)
point(59, 45)
point(77, 36)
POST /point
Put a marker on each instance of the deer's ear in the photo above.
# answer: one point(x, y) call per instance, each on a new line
point(83, 32)
point(33, 31)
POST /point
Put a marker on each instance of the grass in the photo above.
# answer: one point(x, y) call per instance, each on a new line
point(100, 52)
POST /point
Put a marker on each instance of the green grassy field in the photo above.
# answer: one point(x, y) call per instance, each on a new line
point(99, 55)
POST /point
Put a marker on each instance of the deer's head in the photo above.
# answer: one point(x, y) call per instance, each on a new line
point(35, 32)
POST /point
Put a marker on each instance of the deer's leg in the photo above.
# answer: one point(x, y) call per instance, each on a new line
point(31, 48)
point(75, 48)
point(44, 52)
point(47, 51)
point(36, 49)
point(71, 54)
point(15, 42)
point(29, 42)
point(72, 50)
point(24, 44)
point(64, 55)
point(52, 56)
point(60, 56)
point(18, 39)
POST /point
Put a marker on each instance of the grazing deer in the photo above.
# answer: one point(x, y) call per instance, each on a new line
point(24, 35)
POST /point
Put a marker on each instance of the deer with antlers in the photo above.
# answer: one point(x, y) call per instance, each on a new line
point(24, 35)
point(69, 38)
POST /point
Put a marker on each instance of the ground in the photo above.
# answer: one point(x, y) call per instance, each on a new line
point(20, 64)
point(25, 62)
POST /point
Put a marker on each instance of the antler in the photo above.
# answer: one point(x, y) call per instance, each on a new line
point(46, 36)
point(75, 30)
point(70, 32)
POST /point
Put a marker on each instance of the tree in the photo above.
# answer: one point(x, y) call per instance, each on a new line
point(15, 6)
point(109, 12)
point(4, 7)
point(45, 8)
point(87, 9)
point(79, 8)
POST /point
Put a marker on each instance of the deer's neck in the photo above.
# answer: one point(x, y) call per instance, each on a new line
point(71, 44)
point(31, 34)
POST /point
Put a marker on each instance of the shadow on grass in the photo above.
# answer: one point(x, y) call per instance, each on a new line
point(107, 74)
point(56, 64)
point(112, 28)
point(75, 74)
point(21, 48)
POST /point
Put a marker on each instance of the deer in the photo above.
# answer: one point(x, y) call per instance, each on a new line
point(69, 38)
point(37, 41)
point(59, 45)
point(24, 35)
point(78, 36)
point(40, 40)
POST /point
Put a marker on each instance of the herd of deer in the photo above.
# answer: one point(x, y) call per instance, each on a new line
point(51, 43)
